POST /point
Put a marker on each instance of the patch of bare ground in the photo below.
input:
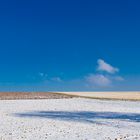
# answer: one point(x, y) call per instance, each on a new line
point(31, 95)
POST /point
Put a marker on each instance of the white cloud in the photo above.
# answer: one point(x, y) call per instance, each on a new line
point(103, 66)
point(104, 80)
point(46, 78)
point(41, 74)
point(56, 79)
point(119, 78)
point(98, 80)
point(95, 80)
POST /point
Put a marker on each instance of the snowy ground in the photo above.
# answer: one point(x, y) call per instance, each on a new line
point(69, 119)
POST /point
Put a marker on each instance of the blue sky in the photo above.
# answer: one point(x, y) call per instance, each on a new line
point(74, 45)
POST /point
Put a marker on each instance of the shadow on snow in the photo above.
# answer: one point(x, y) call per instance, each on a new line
point(82, 116)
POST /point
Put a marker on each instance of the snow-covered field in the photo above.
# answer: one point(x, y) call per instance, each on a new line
point(69, 119)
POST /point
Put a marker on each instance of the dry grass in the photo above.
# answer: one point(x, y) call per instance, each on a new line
point(31, 95)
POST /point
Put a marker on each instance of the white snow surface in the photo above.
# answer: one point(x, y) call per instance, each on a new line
point(69, 119)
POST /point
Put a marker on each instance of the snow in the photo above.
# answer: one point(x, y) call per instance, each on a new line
point(69, 119)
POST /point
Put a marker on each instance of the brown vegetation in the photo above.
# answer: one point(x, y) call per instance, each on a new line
point(31, 95)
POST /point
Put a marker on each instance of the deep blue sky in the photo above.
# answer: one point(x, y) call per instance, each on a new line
point(55, 45)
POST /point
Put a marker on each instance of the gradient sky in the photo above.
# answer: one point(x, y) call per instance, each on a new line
point(74, 45)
